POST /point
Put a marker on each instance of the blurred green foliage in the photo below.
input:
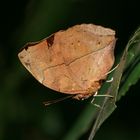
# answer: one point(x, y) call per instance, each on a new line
point(22, 114)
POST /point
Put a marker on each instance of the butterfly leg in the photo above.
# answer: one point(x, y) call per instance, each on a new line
point(110, 80)
point(98, 106)
point(96, 95)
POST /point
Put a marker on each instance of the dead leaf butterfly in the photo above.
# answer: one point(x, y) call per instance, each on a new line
point(73, 61)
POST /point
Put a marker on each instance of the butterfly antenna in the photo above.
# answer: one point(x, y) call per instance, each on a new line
point(47, 103)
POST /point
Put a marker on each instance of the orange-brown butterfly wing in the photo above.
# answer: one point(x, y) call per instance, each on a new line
point(71, 61)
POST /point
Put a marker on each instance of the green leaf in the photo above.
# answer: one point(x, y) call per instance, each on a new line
point(129, 60)
point(132, 68)
point(108, 104)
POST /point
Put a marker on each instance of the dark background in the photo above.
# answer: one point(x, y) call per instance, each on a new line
point(22, 114)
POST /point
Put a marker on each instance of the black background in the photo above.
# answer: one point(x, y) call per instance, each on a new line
point(22, 115)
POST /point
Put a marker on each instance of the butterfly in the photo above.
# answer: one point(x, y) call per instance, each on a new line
point(74, 61)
